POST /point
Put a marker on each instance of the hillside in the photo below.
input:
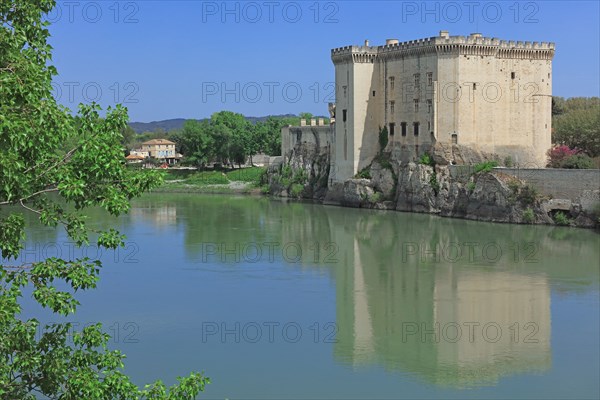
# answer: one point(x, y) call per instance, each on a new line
point(177, 123)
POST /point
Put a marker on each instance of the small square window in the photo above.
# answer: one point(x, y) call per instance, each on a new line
point(513, 75)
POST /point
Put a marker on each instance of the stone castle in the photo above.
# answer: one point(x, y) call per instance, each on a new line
point(489, 95)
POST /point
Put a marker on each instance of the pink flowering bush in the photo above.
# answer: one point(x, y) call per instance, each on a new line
point(559, 154)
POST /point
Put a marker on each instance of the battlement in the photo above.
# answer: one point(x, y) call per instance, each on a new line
point(472, 44)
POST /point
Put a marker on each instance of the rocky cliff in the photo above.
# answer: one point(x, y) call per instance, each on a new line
point(429, 187)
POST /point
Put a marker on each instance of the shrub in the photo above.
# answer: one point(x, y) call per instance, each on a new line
point(383, 138)
point(578, 161)
point(528, 216)
point(558, 155)
point(596, 212)
point(296, 190)
point(561, 219)
point(527, 195)
point(514, 185)
point(426, 159)
point(300, 176)
point(286, 171)
point(471, 186)
point(375, 197)
point(485, 166)
point(364, 173)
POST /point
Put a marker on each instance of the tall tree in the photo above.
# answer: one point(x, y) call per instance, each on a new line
point(38, 177)
point(195, 142)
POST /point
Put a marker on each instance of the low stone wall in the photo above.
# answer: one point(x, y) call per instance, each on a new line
point(558, 183)
point(554, 182)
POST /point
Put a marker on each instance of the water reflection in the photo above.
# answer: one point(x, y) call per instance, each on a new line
point(457, 303)
point(454, 303)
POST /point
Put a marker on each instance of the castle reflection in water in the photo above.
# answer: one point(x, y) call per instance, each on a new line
point(452, 321)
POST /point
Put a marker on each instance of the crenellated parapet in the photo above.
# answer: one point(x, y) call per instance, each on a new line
point(474, 44)
point(355, 54)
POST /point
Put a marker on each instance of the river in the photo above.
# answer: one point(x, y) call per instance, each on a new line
point(277, 299)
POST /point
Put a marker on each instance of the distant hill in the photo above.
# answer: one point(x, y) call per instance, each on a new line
point(177, 123)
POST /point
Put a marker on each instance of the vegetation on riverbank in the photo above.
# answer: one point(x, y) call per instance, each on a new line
point(236, 181)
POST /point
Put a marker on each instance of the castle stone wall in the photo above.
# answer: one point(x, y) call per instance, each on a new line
point(320, 136)
point(489, 94)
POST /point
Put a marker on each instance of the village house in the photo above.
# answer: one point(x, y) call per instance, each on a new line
point(160, 149)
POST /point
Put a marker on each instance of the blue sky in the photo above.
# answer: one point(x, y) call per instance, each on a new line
point(189, 59)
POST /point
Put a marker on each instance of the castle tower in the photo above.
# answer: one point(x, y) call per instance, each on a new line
point(489, 94)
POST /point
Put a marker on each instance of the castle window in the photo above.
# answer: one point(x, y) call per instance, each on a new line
point(454, 138)
point(403, 126)
point(429, 78)
point(429, 105)
point(392, 106)
point(513, 75)
point(548, 75)
point(416, 105)
point(392, 80)
point(416, 128)
point(344, 115)
point(417, 80)
point(345, 91)
point(373, 93)
point(428, 125)
point(474, 86)
point(392, 126)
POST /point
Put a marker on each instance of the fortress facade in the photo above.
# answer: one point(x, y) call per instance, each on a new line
point(491, 95)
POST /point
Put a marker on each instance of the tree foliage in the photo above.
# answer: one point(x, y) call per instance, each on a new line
point(577, 124)
point(229, 138)
point(54, 165)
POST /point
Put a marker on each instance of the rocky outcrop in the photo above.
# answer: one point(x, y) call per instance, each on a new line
point(303, 173)
point(454, 154)
point(388, 183)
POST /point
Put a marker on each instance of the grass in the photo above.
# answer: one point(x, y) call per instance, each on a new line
point(485, 166)
point(252, 174)
point(186, 181)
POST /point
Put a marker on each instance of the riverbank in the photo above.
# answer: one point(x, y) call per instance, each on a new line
point(236, 181)
point(478, 192)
